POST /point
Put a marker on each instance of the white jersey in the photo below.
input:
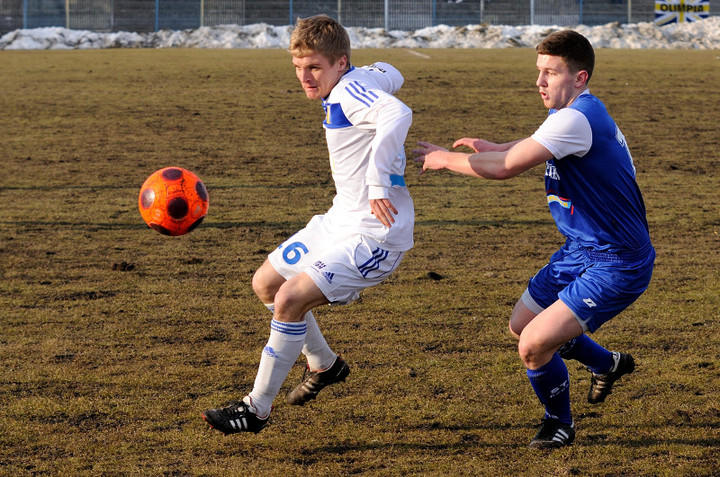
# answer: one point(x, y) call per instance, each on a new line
point(365, 128)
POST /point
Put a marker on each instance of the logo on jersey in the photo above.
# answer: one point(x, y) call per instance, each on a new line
point(620, 138)
point(375, 66)
point(328, 276)
point(589, 303)
point(334, 116)
point(551, 171)
point(565, 203)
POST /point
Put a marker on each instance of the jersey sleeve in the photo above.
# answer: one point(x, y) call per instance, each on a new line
point(387, 76)
point(565, 133)
point(387, 158)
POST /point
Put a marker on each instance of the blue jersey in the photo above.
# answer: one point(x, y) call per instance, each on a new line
point(592, 193)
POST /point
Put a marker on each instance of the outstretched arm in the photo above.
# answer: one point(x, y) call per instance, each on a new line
point(483, 145)
point(519, 157)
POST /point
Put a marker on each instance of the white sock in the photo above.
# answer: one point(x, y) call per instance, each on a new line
point(319, 355)
point(280, 353)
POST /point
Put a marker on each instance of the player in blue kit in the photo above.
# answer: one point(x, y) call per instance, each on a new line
point(607, 260)
point(356, 244)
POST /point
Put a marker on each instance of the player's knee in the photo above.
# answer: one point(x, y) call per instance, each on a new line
point(288, 305)
point(264, 290)
point(529, 351)
point(260, 287)
point(534, 353)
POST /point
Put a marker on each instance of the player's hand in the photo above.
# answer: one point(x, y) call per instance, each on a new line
point(383, 210)
point(477, 145)
point(429, 156)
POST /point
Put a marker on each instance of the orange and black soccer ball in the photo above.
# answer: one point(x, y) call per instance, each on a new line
point(173, 201)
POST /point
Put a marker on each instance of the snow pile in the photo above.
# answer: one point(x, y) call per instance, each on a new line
point(703, 34)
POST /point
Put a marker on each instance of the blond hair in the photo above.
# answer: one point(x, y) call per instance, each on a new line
point(320, 34)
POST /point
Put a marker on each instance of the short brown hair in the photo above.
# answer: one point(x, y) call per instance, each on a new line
point(572, 47)
point(320, 34)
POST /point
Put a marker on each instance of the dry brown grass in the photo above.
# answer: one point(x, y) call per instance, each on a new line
point(106, 368)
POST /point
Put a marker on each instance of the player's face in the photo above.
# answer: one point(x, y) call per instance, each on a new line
point(558, 87)
point(317, 76)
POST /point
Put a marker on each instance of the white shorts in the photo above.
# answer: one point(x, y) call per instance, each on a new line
point(341, 265)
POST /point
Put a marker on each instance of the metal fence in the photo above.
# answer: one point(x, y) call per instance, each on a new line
point(152, 15)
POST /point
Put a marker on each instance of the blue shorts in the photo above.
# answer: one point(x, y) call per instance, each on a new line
point(595, 285)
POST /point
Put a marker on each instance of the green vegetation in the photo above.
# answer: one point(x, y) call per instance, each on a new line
point(115, 338)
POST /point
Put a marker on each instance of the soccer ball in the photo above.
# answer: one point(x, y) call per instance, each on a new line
point(173, 201)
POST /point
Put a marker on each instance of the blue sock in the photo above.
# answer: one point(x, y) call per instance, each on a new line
point(583, 349)
point(552, 386)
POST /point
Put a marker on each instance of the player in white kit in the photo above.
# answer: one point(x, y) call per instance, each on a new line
point(356, 244)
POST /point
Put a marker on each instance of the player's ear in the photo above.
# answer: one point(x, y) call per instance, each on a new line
point(342, 63)
point(581, 78)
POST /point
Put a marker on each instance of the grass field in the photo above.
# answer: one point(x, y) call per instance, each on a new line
point(115, 338)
